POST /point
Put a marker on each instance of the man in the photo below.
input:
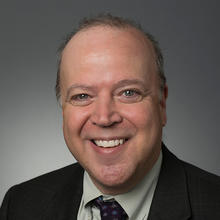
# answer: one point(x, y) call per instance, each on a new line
point(113, 92)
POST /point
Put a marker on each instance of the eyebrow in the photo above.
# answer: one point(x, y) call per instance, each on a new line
point(78, 86)
point(127, 82)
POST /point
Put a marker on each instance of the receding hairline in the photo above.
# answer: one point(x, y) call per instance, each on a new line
point(114, 23)
point(137, 34)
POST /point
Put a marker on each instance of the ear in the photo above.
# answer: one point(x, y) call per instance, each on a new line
point(164, 95)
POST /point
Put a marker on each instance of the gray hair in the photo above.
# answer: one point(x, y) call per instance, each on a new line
point(114, 22)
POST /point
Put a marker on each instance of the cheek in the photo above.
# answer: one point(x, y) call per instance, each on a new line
point(73, 121)
point(147, 121)
point(141, 116)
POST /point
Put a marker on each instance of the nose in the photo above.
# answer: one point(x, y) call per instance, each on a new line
point(105, 113)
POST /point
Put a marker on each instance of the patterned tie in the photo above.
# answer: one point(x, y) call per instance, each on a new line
point(110, 210)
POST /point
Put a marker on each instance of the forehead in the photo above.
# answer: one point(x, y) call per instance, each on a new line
point(118, 48)
point(102, 39)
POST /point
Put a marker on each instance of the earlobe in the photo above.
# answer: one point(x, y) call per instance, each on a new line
point(165, 92)
point(163, 105)
point(164, 95)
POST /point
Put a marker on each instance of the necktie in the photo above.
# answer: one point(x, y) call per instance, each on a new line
point(110, 210)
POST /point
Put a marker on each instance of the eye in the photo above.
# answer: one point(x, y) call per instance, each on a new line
point(130, 96)
point(129, 92)
point(81, 99)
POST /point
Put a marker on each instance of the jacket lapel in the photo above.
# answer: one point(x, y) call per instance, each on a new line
point(67, 198)
point(170, 199)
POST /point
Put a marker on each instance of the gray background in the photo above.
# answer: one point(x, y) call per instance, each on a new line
point(31, 140)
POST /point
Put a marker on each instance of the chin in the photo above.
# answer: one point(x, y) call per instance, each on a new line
point(113, 181)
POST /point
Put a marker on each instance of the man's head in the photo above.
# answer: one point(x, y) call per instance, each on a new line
point(114, 106)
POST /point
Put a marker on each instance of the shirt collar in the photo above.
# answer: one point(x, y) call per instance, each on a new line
point(138, 194)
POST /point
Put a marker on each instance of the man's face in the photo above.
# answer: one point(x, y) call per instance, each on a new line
point(113, 112)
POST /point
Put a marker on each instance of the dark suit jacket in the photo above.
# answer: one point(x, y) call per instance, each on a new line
point(183, 192)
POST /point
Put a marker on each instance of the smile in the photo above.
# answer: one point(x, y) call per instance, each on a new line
point(109, 143)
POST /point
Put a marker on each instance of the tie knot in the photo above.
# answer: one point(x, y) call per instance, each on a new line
point(110, 209)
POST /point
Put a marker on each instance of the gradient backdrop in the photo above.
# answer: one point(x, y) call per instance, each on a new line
point(31, 140)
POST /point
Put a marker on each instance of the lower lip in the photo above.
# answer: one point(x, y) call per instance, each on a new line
point(109, 151)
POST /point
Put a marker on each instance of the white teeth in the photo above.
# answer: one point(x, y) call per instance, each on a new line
point(117, 142)
point(111, 143)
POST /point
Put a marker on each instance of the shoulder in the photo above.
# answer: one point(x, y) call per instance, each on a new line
point(194, 174)
point(38, 194)
point(196, 187)
point(203, 186)
point(197, 179)
point(47, 184)
point(203, 191)
point(54, 179)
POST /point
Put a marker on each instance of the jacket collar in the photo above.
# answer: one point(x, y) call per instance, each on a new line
point(170, 199)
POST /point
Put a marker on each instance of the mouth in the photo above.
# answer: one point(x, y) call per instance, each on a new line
point(109, 143)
